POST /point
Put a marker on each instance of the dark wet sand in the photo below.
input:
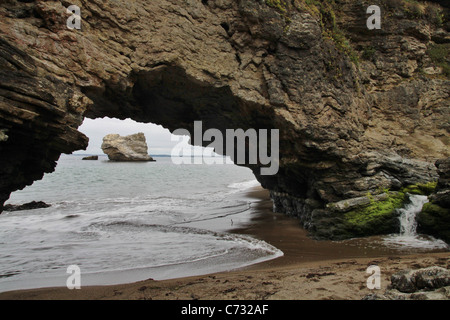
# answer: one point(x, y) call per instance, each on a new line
point(309, 269)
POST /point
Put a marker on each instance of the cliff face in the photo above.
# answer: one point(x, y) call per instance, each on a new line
point(358, 110)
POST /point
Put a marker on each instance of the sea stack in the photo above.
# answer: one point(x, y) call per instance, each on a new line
point(129, 148)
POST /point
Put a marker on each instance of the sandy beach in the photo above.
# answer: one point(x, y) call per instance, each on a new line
point(342, 279)
point(309, 270)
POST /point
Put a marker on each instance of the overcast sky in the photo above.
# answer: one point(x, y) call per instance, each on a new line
point(158, 138)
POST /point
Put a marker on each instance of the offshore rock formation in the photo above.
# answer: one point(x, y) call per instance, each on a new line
point(27, 206)
point(359, 111)
point(129, 148)
point(90, 158)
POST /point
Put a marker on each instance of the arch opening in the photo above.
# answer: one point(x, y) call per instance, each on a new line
point(158, 218)
point(167, 96)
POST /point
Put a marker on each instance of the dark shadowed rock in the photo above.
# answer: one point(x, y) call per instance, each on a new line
point(434, 219)
point(442, 193)
point(90, 158)
point(27, 206)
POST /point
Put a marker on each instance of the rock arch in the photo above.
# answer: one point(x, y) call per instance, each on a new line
point(232, 64)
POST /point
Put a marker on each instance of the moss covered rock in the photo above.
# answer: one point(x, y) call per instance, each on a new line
point(424, 189)
point(374, 218)
point(434, 220)
point(379, 217)
point(435, 216)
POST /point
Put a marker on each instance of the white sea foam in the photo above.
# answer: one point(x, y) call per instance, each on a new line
point(242, 186)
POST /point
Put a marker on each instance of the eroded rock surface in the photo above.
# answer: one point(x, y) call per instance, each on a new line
point(358, 110)
point(129, 148)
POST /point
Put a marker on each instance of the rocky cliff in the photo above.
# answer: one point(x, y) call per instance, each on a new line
point(358, 110)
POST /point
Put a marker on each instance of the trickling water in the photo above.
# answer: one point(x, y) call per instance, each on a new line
point(408, 223)
point(408, 237)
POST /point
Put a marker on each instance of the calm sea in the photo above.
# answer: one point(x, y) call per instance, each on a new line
point(124, 222)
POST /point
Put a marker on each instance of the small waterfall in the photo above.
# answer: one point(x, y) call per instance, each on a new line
point(408, 223)
point(408, 237)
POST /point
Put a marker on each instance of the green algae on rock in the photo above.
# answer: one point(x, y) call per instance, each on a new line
point(374, 214)
point(379, 217)
point(421, 188)
point(375, 217)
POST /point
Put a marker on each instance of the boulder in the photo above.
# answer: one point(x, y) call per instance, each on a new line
point(431, 278)
point(129, 148)
point(432, 283)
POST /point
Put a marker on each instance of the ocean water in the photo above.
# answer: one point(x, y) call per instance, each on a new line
point(124, 222)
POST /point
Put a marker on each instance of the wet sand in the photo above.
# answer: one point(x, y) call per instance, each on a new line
point(309, 269)
point(286, 234)
point(341, 279)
